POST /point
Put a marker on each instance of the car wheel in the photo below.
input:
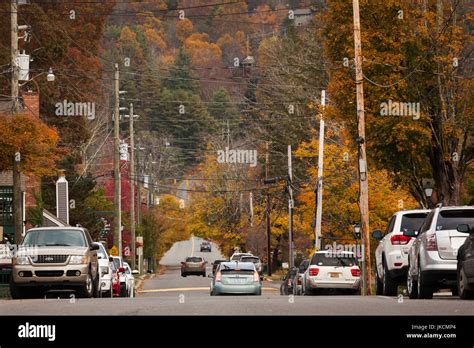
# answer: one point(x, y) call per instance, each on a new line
point(464, 291)
point(389, 286)
point(96, 291)
point(424, 291)
point(87, 290)
point(204, 274)
point(412, 286)
point(308, 292)
point(378, 284)
point(16, 292)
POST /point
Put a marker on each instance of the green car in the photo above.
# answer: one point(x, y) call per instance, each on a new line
point(236, 278)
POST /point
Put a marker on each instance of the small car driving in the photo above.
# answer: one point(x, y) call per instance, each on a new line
point(236, 278)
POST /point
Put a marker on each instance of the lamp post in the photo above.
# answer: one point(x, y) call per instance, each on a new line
point(357, 236)
point(429, 193)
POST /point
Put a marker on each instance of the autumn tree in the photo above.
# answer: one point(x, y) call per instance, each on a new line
point(413, 53)
point(34, 142)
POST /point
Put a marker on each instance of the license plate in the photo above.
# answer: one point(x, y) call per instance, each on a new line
point(334, 275)
point(239, 280)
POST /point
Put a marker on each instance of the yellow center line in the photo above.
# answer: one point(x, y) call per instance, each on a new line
point(192, 289)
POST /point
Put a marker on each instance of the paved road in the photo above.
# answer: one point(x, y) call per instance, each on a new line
point(191, 247)
point(170, 294)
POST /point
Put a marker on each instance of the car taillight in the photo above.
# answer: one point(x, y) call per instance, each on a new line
point(355, 272)
point(399, 239)
point(218, 276)
point(313, 272)
point(256, 277)
point(431, 244)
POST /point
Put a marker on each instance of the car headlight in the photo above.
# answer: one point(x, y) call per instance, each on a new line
point(78, 259)
point(104, 270)
point(21, 260)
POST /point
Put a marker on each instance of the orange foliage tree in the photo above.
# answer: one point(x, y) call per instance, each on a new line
point(33, 139)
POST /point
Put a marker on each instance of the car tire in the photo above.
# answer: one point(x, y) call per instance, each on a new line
point(183, 275)
point(16, 292)
point(355, 292)
point(424, 290)
point(390, 286)
point(87, 290)
point(378, 284)
point(412, 286)
point(96, 290)
point(308, 292)
point(204, 274)
point(465, 292)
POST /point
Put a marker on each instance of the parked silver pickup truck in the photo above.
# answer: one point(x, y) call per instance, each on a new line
point(55, 258)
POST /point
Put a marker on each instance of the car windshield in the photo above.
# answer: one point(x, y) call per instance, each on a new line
point(250, 259)
point(55, 238)
point(101, 253)
point(450, 219)
point(117, 262)
point(194, 259)
point(330, 259)
point(236, 266)
point(412, 222)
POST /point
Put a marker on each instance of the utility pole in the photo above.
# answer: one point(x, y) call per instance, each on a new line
point(16, 175)
point(139, 189)
point(363, 176)
point(319, 190)
point(267, 213)
point(291, 204)
point(132, 187)
point(117, 186)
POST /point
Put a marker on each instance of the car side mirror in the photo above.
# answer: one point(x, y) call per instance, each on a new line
point(410, 233)
point(94, 247)
point(135, 272)
point(464, 228)
point(111, 259)
point(377, 234)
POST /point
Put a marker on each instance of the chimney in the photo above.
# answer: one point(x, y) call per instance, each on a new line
point(62, 197)
point(31, 103)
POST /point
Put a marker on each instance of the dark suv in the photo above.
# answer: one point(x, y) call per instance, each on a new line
point(465, 273)
point(206, 246)
point(55, 257)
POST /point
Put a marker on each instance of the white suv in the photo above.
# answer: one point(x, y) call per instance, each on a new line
point(391, 255)
point(336, 270)
point(433, 256)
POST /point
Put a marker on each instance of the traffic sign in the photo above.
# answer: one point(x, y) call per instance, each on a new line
point(113, 251)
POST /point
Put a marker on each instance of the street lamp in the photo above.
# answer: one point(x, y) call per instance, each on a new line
point(429, 193)
point(357, 237)
point(50, 77)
